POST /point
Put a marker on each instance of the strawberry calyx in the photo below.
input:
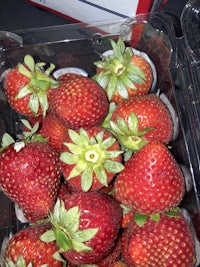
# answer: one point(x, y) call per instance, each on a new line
point(19, 263)
point(140, 219)
point(39, 83)
point(117, 72)
point(31, 134)
point(91, 155)
point(106, 122)
point(65, 229)
point(128, 133)
point(22, 263)
point(26, 137)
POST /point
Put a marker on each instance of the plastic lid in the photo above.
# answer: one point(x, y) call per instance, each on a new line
point(190, 22)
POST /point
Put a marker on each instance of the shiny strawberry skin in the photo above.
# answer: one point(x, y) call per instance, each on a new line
point(151, 112)
point(14, 81)
point(151, 181)
point(97, 211)
point(52, 128)
point(111, 259)
point(80, 102)
point(31, 178)
point(142, 89)
point(168, 242)
point(113, 256)
point(68, 76)
point(27, 243)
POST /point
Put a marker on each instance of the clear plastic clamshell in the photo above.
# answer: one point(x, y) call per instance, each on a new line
point(176, 61)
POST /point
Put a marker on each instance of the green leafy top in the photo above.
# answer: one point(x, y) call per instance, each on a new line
point(27, 136)
point(20, 263)
point(117, 71)
point(40, 82)
point(91, 155)
point(65, 229)
point(140, 219)
point(128, 133)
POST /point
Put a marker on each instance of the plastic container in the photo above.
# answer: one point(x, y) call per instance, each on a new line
point(177, 64)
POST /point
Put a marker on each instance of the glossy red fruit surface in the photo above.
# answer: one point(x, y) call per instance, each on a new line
point(31, 177)
point(28, 244)
point(97, 211)
point(80, 102)
point(168, 242)
point(151, 181)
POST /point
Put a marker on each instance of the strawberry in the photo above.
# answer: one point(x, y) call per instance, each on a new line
point(141, 119)
point(111, 259)
point(127, 217)
point(68, 76)
point(151, 182)
point(28, 87)
point(119, 263)
point(52, 128)
point(123, 74)
point(25, 247)
point(30, 175)
point(80, 102)
point(167, 242)
point(90, 158)
point(113, 256)
point(64, 191)
point(85, 226)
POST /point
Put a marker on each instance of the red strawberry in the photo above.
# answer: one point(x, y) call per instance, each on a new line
point(26, 245)
point(151, 181)
point(52, 128)
point(126, 218)
point(119, 264)
point(64, 191)
point(28, 87)
point(90, 158)
point(166, 242)
point(30, 176)
point(111, 259)
point(85, 226)
point(68, 76)
point(80, 102)
point(123, 74)
point(113, 256)
point(141, 119)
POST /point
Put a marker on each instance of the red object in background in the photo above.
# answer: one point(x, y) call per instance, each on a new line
point(144, 6)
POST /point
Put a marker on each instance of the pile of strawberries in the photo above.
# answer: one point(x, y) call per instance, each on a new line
point(92, 170)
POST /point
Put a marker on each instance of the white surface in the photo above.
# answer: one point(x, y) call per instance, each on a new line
point(87, 11)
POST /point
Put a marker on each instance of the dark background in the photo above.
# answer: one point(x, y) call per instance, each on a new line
point(20, 14)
